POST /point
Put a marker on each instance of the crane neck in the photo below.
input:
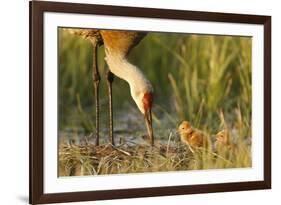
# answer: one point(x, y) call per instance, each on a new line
point(119, 66)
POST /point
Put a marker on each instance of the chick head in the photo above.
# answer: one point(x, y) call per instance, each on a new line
point(222, 137)
point(185, 128)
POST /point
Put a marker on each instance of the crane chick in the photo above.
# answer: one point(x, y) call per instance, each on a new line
point(223, 142)
point(190, 136)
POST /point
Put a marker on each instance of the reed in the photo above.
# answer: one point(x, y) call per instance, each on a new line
point(200, 78)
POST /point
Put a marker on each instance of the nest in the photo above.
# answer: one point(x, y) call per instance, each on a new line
point(88, 159)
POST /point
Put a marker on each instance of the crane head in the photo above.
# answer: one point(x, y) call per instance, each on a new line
point(142, 93)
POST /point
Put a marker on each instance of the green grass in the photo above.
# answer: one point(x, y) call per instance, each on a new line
point(200, 78)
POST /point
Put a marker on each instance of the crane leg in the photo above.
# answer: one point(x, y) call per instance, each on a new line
point(110, 78)
point(96, 79)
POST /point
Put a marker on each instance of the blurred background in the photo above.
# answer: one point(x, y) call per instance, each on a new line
point(200, 78)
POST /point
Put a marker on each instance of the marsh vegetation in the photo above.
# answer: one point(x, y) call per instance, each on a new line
point(200, 78)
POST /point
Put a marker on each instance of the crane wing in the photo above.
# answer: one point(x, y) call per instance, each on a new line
point(121, 41)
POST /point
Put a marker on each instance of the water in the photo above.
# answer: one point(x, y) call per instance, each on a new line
point(129, 127)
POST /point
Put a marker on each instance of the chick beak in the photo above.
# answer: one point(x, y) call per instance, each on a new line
point(148, 122)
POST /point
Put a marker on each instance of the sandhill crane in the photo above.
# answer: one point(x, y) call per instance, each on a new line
point(117, 45)
point(224, 142)
point(191, 136)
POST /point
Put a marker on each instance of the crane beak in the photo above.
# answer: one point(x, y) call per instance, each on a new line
point(148, 122)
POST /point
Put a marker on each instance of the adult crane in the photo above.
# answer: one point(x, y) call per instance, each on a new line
point(117, 45)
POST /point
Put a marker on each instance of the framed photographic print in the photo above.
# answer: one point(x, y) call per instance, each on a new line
point(139, 102)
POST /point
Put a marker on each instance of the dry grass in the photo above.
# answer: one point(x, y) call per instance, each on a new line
point(88, 159)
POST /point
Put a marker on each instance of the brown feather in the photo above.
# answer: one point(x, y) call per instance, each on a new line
point(121, 42)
